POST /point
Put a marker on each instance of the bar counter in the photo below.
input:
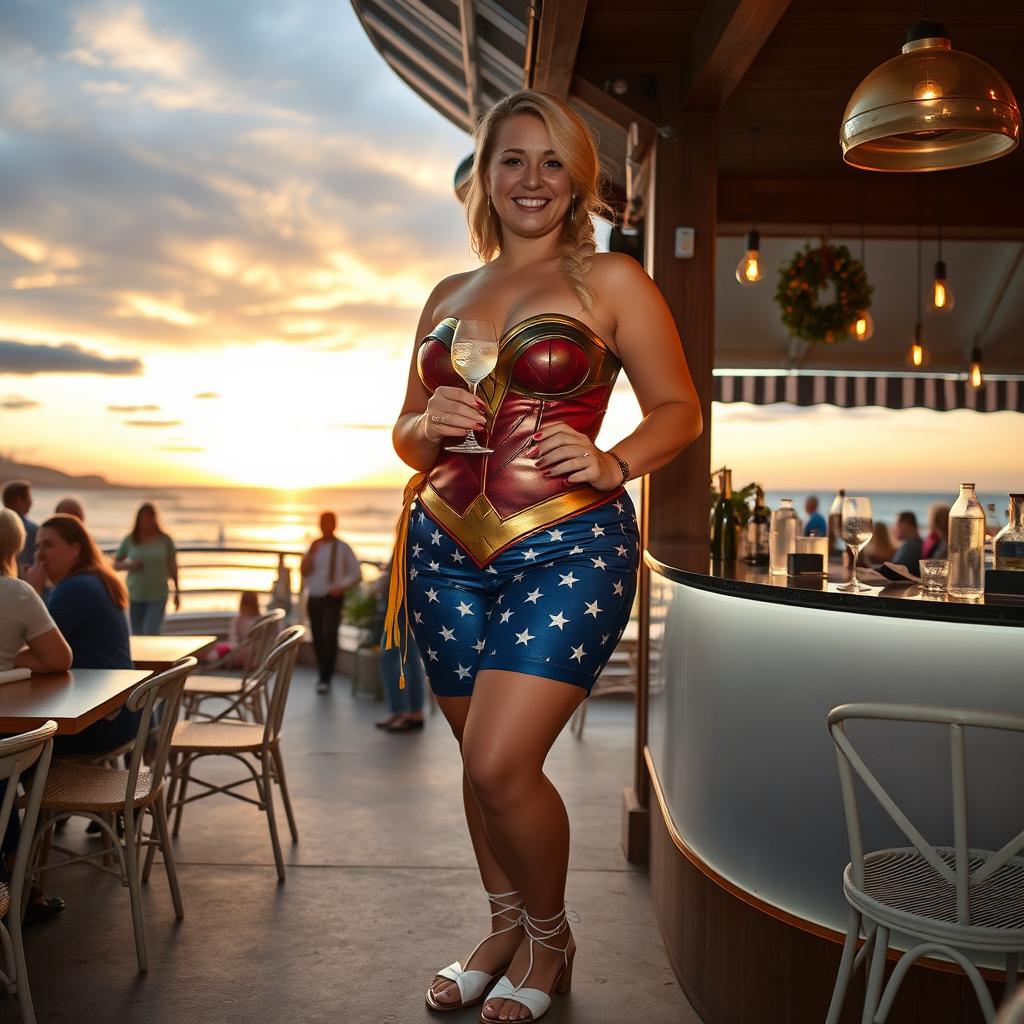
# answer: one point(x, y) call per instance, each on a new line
point(748, 841)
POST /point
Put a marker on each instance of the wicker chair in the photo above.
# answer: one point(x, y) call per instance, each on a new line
point(99, 793)
point(17, 755)
point(951, 901)
point(257, 643)
point(255, 745)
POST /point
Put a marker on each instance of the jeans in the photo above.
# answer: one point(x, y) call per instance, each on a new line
point(147, 617)
point(324, 622)
point(411, 698)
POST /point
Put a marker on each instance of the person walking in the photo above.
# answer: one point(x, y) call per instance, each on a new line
point(330, 569)
point(149, 555)
point(516, 569)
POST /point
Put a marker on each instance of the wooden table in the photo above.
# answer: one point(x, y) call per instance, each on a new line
point(74, 700)
point(160, 652)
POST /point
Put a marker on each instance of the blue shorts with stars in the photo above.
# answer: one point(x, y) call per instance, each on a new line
point(554, 604)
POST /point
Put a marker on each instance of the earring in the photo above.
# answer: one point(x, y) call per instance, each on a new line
point(572, 208)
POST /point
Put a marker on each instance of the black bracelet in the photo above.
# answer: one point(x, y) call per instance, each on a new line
point(623, 465)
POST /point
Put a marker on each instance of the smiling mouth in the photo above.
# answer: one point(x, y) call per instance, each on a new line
point(530, 204)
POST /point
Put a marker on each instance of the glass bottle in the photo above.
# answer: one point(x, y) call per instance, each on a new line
point(966, 545)
point(1009, 542)
point(723, 521)
point(757, 531)
point(782, 537)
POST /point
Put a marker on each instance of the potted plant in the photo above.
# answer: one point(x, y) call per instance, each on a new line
point(363, 612)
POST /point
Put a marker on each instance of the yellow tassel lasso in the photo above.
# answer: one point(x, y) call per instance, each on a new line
point(395, 636)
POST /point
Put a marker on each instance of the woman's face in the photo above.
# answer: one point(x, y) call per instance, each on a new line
point(147, 520)
point(530, 189)
point(57, 556)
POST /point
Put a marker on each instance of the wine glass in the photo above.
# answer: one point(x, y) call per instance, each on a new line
point(474, 355)
point(857, 529)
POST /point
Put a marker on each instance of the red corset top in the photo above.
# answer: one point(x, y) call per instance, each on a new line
point(551, 369)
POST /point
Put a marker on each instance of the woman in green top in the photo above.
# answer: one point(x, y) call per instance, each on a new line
point(148, 555)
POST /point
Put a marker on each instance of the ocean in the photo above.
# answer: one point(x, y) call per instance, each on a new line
point(272, 521)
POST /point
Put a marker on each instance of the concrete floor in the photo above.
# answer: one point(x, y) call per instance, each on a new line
point(381, 892)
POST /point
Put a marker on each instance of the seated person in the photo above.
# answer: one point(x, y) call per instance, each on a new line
point(936, 543)
point(880, 548)
point(815, 525)
point(248, 613)
point(911, 544)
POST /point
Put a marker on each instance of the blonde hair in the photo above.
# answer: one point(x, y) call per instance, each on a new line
point(12, 540)
point(572, 141)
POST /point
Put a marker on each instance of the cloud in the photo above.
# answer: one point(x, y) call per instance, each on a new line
point(18, 403)
point(152, 423)
point(29, 358)
point(207, 394)
point(133, 408)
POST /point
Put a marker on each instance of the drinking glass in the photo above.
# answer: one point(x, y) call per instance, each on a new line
point(857, 528)
point(474, 355)
point(934, 574)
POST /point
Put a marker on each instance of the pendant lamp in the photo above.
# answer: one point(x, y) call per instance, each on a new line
point(748, 270)
point(929, 109)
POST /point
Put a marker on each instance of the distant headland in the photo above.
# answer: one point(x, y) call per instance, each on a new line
point(44, 477)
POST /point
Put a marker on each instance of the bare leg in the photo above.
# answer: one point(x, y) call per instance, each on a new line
point(513, 721)
point(494, 955)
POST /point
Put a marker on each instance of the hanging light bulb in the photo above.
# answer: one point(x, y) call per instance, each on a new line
point(975, 376)
point(916, 354)
point(942, 295)
point(748, 270)
point(863, 327)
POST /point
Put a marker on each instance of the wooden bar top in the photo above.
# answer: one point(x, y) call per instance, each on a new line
point(74, 700)
point(160, 652)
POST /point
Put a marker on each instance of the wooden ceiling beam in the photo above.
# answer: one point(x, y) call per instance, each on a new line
point(728, 36)
point(467, 21)
point(561, 24)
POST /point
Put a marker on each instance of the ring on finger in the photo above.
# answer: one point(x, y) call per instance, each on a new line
point(434, 418)
point(586, 454)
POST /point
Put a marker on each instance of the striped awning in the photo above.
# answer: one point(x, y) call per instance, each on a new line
point(849, 391)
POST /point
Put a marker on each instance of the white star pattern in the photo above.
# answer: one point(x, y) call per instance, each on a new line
point(618, 588)
point(431, 654)
point(532, 596)
point(524, 638)
point(448, 634)
point(422, 517)
point(558, 620)
point(479, 645)
point(435, 538)
point(464, 609)
point(418, 618)
point(576, 550)
point(491, 570)
point(506, 615)
point(458, 556)
point(463, 673)
point(567, 580)
point(416, 551)
point(432, 595)
point(605, 637)
point(434, 566)
point(577, 654)
point(621, 551)
point(519, 577)
point(529, 554)
point(413, 573)
point(619, 506)
point(597, 531)
point(593, 609)
point(599, 563)
point(555, 534)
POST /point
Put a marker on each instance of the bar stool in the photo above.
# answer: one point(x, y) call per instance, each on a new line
point(951, 901)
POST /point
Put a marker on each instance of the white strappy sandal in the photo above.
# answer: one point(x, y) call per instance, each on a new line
point(536, 1001)
point(473, 984)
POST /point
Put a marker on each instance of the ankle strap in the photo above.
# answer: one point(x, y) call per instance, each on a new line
point(509, 909)
point(540, 928)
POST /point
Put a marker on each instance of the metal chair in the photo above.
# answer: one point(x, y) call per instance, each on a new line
point(951, 901)
point(17, 755)
point(99, 793)
point(257, 643)
point(257, 746)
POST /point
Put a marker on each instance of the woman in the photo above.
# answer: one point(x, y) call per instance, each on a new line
point(522, 564)
point(29, 637)
point(936, 544)
point(149, 556)
point(401, 670)
point(880, 548)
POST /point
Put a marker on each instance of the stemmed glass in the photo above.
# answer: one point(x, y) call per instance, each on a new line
point(474, 355)
point(857, 529)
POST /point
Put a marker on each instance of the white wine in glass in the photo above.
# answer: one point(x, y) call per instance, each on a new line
point(857, 529)
point(474, 355)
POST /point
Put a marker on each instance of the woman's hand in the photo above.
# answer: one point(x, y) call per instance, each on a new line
point(450, 413)
point(35, 576)
point(561, 451)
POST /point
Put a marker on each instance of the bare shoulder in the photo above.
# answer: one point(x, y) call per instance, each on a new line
point(444, 291)
point(615, 269)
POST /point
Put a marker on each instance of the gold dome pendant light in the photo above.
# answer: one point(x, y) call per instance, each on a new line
point(929, 109)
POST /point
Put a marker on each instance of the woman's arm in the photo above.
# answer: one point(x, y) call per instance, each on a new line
point(652, 356)
point(122, 561)
point(47, 652)
point(417, 435)
point(172, 572)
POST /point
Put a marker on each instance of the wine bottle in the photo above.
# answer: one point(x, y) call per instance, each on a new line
point(757, 531)
point(723, 521)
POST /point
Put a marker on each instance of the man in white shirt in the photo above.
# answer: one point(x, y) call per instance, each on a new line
point(330, 569)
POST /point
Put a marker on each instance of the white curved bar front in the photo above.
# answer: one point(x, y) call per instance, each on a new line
point(739, 693)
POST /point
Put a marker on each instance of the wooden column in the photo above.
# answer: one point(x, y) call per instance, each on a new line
point(682, 192)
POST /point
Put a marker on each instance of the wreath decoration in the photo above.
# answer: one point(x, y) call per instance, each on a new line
point(800, 284)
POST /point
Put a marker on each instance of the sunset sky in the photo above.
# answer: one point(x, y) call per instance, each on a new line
point(218, 224)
